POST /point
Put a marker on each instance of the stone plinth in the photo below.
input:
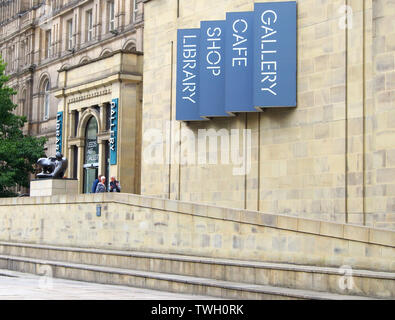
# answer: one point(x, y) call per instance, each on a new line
point(52, 187)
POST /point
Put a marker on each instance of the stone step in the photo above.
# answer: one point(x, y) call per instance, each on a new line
point(162, 281)
point(302, 277)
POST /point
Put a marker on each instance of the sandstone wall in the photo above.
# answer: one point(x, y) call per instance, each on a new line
point(131, 222)
point(331, 158)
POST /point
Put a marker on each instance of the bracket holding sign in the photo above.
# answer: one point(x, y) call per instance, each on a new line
point(242, 64)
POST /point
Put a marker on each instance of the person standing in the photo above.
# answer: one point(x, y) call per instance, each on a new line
point(101, 186)
point(114, 185)
point(94, 185)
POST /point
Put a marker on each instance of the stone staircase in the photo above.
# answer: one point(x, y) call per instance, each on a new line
point(222, 278)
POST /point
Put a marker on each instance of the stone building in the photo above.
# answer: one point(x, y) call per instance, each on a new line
point(76, 57)
point(332, 157)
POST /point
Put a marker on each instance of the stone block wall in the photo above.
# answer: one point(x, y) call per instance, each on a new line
point(329, 158)
point(132, 222)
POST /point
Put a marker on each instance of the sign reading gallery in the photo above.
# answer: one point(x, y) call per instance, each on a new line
point(113, 131)
point(242, 64)
point(275, 54)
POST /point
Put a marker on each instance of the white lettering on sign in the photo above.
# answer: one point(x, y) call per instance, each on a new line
point(112, 126)
point(240, 26)
point(189, 54)
point(213, 57)
point(268, 65)
point(58, 131)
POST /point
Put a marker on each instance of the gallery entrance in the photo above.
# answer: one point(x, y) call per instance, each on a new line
point(90, 174)
point(91, 162)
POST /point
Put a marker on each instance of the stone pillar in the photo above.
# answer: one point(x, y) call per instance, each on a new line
point(121, 15)
point(70, 157)
point(71, 122)
point(77, 27)
point(98, 18)
point(102, 157)
point(103, 110)
point(80, 170)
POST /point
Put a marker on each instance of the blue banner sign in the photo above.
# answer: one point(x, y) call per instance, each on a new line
point(275, 54)
point(187, 99)
point(243, 64)
point(114, 132)
point(59, 131)
point(212, 69)
point(239, 60)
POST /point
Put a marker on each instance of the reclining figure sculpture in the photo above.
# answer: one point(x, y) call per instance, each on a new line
point(52, 167)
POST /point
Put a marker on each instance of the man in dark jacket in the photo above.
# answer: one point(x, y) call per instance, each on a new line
point(114, 185)
point(95, 183)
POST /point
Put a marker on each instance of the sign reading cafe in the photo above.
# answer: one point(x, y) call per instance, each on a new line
point(242, 64)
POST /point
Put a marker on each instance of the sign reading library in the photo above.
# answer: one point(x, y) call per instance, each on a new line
point(59, 131)
point(241, 64)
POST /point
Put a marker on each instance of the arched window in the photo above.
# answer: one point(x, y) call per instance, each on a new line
point(91, 145)
point(91, 163)
point(46, 99)
point(23, 104)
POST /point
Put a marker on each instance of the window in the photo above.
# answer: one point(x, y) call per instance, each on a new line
point(46, 100)
point(23, 53)
point(91, 145)
point(48, 44)
point(70, 34)
point(89, 25)
point(135, 10)
point(23, 103)
point(111, 16)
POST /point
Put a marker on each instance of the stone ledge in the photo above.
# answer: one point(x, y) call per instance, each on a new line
point(205, 260)
point(265, 289)
point(317, 227)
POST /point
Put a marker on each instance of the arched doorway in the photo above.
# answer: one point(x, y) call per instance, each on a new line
point(91, 160)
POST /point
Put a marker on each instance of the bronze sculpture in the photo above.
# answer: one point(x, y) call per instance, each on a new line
point(53, 167)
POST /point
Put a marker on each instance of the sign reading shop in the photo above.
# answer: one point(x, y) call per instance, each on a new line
point(242, 64)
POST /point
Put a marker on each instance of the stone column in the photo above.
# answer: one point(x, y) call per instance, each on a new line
point(120, 15)
point(77, 27)
point(98, 18)
point(80, 163)
point(71, 123)
point(103, 110)
point(101, 157)
point(70, 157)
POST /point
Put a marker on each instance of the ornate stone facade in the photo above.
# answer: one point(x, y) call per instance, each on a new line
point(41, 40)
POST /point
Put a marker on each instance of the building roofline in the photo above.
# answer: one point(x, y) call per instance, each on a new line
point(110, 54)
